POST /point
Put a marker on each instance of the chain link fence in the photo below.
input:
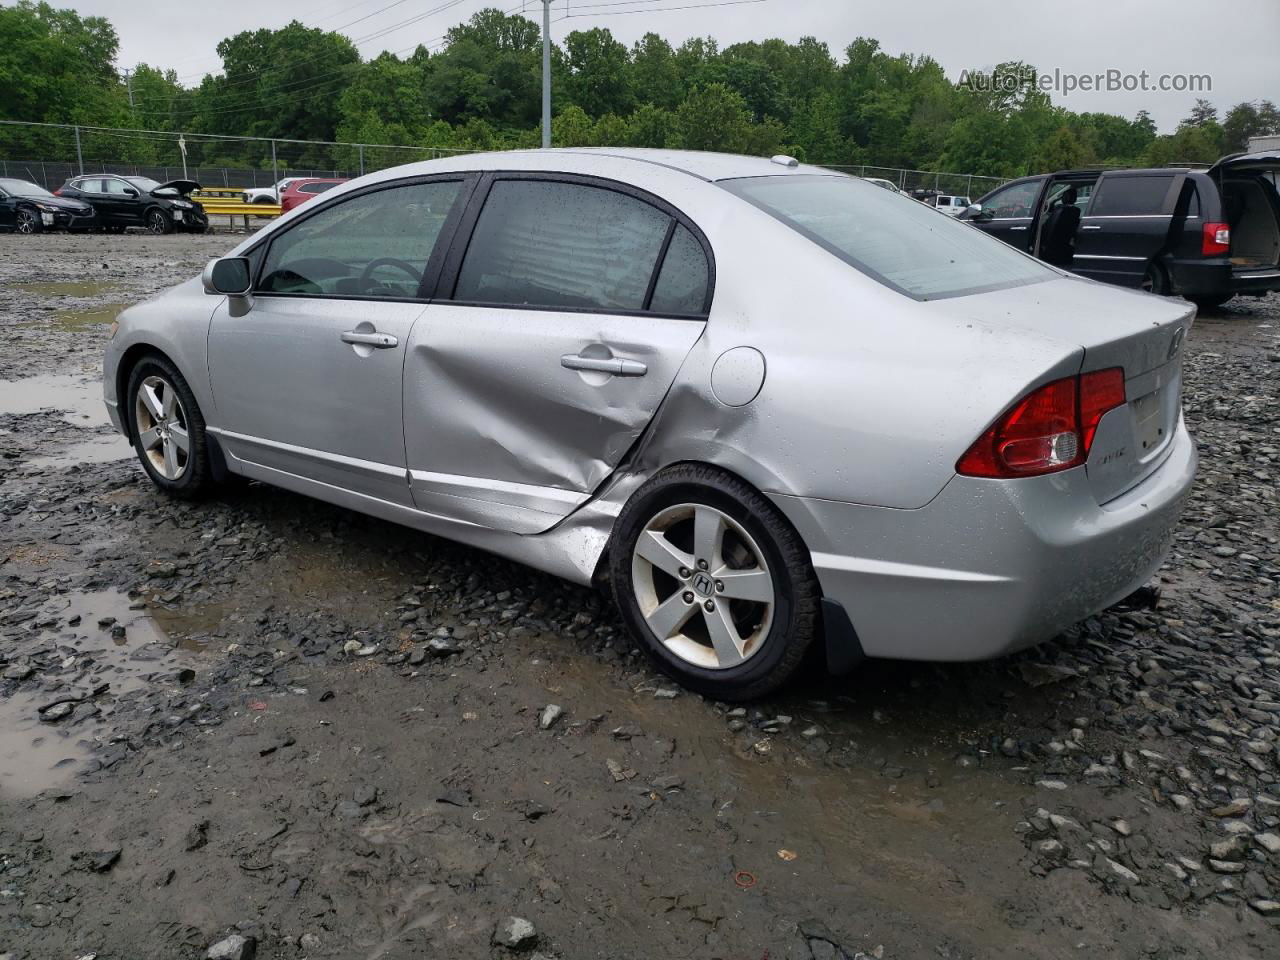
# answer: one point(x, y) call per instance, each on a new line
point(218, 161)
point(931, 182)
point(69, 150)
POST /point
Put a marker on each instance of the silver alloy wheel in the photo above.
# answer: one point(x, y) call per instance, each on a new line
point(703, 586)
point(162, 427)
point(156, 222)
point(28, 221)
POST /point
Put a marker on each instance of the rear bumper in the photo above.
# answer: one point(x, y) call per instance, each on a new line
point(1218, 278)
point(989, 567)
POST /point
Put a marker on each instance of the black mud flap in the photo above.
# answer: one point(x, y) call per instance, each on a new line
point(844, 649)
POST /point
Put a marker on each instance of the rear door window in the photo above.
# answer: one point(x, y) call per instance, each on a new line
point(556, 245)
point(1132, 196)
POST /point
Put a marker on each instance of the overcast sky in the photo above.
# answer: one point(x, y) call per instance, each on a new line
point(1235, 44)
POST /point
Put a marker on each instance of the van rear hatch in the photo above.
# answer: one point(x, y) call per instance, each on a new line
point(1141, 334)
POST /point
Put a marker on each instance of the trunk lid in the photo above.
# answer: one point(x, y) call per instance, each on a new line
point(1141, 334)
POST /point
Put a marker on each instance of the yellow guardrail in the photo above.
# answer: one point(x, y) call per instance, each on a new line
point(230, 192)
point(232, 207)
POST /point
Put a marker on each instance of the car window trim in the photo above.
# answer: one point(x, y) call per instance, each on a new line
point(430, 273)
point(462, 242)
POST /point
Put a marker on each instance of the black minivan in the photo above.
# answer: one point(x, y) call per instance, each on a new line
point(1205, 234)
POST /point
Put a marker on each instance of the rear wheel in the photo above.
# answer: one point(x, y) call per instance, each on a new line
point(1156, 280)
point(167, 428)
point(715, 586)
point(28, 221)
point(158, 221)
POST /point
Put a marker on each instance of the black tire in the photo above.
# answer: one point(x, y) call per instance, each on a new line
point(159, 222)
point(28, 221)
point(196, 476)
point(1211, 303)
point(796, 594)
point(1156, 280)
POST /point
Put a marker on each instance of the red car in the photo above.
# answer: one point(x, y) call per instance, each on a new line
point(300, 191)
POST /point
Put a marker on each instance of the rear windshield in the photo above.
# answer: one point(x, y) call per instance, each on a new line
point(898, 241)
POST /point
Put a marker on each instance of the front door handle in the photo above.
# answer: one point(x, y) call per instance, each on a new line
point(1017, 228)
point(1091, 226)
point(379, 341)
point(617, 366)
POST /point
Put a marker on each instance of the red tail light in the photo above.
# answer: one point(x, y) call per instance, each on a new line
point(58, 192)
point(1216, 239)
point(1048, 430)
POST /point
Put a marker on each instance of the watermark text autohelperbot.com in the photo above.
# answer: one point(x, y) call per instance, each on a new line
point(1065, 83)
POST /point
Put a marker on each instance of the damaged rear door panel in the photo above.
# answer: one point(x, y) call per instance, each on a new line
point(564, 314)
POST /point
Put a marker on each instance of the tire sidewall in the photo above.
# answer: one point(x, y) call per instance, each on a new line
point(31, 217)
point(196, 476)
point(165, 220)
point(719, 683)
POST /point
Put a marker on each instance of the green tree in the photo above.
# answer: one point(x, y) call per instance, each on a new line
point(650, 126)
point(599, 72)
point(713, 117)
point(654, 73)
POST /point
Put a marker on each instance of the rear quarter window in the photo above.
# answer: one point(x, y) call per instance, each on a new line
point(1132, 196)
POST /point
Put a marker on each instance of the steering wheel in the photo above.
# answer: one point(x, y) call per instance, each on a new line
point(373, 265)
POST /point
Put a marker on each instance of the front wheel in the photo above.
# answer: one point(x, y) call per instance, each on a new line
point(167, 428)
point(28, 221)
point(713, 583)
point(158, 221)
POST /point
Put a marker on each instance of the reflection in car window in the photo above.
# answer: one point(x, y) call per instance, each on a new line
point(682, 281)
point(546, 244)
point(116, 188)
point(316, 187)
point(374, 245)
point(890, 238)
point(1014, 201)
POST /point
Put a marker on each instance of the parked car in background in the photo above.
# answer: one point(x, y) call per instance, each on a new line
point(122, 202)
point(772, 405)
point(952, 206)
point(880, 182)
point(28, 208)
point(268, 194)
point(1205, 234)
point(300, 191)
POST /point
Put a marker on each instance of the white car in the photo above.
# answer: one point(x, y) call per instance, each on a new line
point(951, 206)
point(268, 194)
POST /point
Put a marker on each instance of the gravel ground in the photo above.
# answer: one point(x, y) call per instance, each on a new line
point(262, 723)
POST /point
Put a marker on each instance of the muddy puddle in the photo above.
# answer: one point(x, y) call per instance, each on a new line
point(97, 448)
point(91, 649)
point(73, 288)
point(73, 320)
point(76, 397)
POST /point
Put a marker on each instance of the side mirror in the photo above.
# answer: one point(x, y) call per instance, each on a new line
point(229, 276)
point(130, 192)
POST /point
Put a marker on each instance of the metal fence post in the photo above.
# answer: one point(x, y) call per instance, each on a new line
point(361, 149)
point(79, 154)
point(275, 175)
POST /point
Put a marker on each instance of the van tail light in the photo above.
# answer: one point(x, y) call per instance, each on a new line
point(1216, 239)
point(58, 192)
point(1050, 429)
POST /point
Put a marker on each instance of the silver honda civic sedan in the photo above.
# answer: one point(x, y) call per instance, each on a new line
point(775, 408)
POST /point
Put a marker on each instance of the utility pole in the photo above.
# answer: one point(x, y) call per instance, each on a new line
point(546, 74)
point(128, 82)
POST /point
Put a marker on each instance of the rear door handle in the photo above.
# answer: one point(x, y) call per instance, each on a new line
point(1091, 226)
point(617, 366)
point(379, 341)
point(1017, 228)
